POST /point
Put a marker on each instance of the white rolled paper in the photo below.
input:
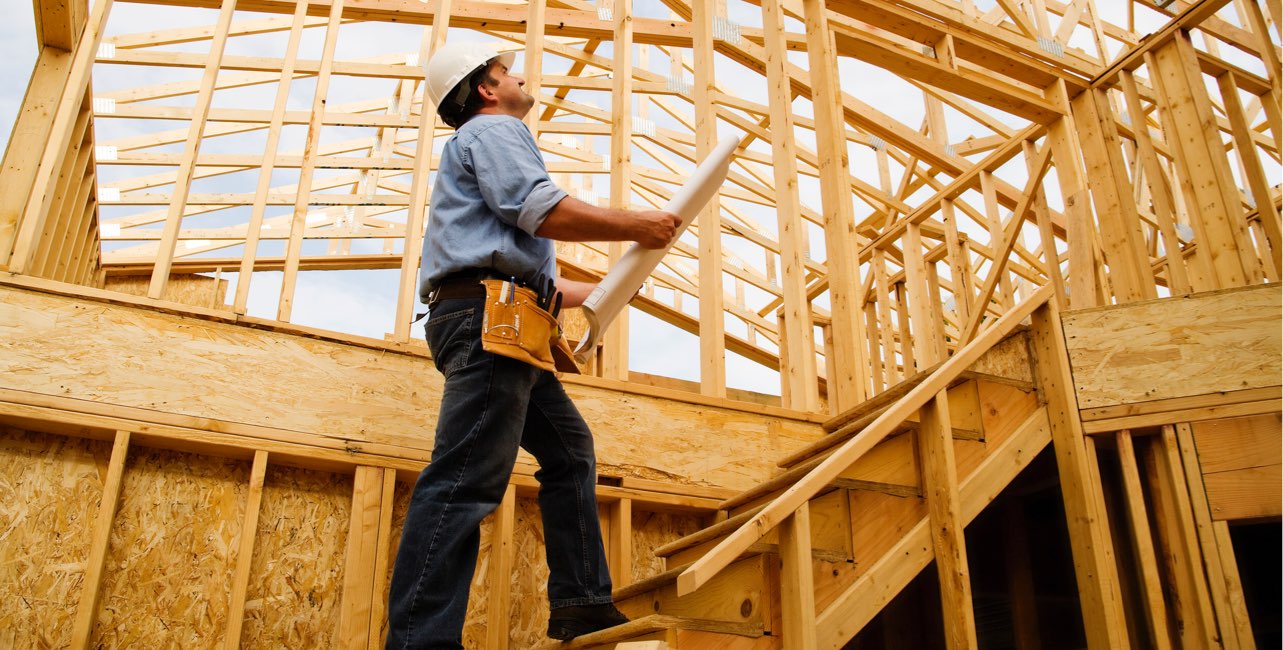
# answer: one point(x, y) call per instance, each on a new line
point(626, 278)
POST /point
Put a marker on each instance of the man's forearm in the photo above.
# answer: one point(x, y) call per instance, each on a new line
point(574, 220)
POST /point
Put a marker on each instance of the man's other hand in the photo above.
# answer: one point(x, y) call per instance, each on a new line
point(656, 228)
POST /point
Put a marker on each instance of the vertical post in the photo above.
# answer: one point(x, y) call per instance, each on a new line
point(91, 588)
point(615, 346)
point(1160, 190)
point(845, 357)
point(383, 556)
point(1218, 220)
point(1221, 587)
point(798, 375)
point(245, 551)
point(940, 487)
point(620, 551)
point(408, 287)
point(187, 166)
point(1119, 222)
point(255, 227)
point(362, 550)
point(712, 319)
point(1143, 544)
point(501, 559)
point(1100, 596)
point(1082, 258)
point(294, 247)
point(797, 588)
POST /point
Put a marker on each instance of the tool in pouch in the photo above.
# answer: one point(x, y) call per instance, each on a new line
point(515, 324)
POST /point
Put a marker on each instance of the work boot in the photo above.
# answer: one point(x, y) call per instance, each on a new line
point(566, 623)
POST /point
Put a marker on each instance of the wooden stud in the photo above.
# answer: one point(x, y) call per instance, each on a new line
point(254, 230)
point(620, 551)
point(245, 551)
point(293, 250)
point(712, 326)
point(615, 342)
point(1187, 593)
point(845, 357)
point(362, 544)
point(1116, 214)
point(1218, 584)
point(1101, 606)
point(797, 588)
point(502, 551)
point(408, 282)
point(90, 591)
point(1143, 544)
point(940, 488)
point(383, 557)
point(798, 378)
point(187, 168)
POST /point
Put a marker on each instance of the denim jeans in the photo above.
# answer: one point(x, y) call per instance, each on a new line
point(492, 405)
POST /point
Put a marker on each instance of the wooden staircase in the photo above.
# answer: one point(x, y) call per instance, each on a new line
point(809, 557)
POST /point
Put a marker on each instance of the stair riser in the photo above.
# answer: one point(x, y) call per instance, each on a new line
point(830, 533)
point(737, 594)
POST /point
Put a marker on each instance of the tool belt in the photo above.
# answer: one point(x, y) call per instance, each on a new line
point(515, 326)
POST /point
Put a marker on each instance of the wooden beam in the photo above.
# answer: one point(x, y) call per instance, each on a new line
point(187, 168)
point(940, 488)
point(797, 588)
point(245, 551)
point(1101, 601)
point(502, 559)
point(91, 588)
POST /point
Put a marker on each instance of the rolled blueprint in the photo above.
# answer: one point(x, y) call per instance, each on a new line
point(626, 278)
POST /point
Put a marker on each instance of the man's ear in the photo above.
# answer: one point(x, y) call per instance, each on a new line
point(487, 93)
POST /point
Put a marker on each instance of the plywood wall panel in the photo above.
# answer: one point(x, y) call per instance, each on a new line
point(131, 356)
point(652, 530)
point(50, 487)
point(1176, 347)
point(172, 550)
point(296, 577)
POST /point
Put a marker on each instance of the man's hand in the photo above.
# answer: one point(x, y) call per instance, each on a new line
point(655, 228)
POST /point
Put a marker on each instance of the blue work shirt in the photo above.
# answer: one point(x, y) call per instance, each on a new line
point(492, 193)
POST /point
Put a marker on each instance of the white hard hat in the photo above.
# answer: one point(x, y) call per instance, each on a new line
point(453, 63)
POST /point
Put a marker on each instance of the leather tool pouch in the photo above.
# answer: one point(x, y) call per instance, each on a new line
point(515, 326)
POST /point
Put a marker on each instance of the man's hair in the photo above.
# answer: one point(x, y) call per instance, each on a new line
point(454, 114)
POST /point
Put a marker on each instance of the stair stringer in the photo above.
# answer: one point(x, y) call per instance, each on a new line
point(863, 599)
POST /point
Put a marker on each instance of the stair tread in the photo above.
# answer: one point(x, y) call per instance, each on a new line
point(654, 623)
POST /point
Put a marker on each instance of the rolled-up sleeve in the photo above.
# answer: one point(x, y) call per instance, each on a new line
point(511, 175)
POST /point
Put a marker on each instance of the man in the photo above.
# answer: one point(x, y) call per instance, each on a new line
point(494, 214)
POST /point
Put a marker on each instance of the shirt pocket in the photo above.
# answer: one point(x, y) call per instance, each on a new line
point(451, 338)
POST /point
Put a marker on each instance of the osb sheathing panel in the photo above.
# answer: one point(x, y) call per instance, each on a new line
point(1176, 347)
point(296, 576)
point(195, 290)
point(50, 487)
point(172, 551)
point(1009, 359)
point(652, 530)
point(141, 358)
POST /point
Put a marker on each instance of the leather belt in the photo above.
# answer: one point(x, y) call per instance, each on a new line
point(462, 284)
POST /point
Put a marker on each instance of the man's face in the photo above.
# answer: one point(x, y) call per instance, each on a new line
point(507, 94)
